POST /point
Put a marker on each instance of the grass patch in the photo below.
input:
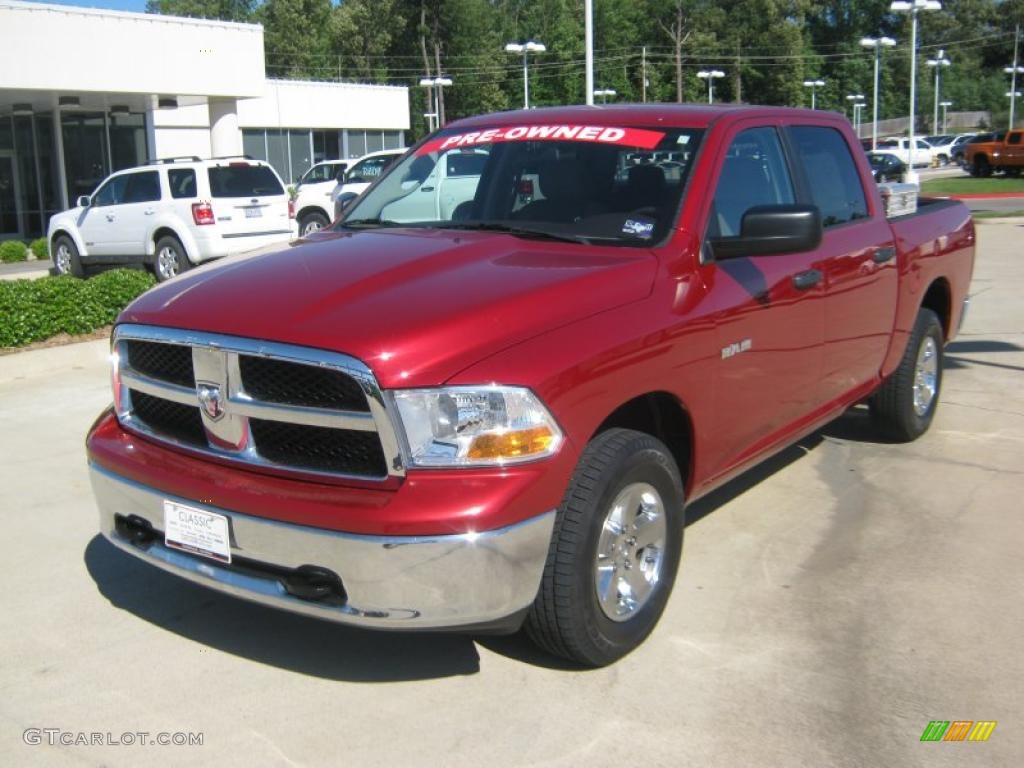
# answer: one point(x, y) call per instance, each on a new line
point(967, 185)
point(33, 310)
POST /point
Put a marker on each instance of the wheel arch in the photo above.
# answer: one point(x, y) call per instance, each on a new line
point(938, 298)
point(166, 230)
point(664, 416)
point(312, 208)
point(69, 233)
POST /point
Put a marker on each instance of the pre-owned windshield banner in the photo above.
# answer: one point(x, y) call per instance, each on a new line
point(593, 134)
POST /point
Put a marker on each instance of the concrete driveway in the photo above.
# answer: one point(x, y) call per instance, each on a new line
point(830, 604)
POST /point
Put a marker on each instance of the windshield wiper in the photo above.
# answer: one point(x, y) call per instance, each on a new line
point(507, 229)
point(370, 223)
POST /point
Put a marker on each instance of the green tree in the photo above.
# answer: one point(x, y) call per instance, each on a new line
point(225, 10)
point(296, 38)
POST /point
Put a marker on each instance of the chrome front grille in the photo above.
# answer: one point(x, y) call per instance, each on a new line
point(263, 404)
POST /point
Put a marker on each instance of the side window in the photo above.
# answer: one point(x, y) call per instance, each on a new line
point(182, 182)
point(831, 174)
point(1014, 138)
point(754, 173)
point(111, 193)
point(142, 187)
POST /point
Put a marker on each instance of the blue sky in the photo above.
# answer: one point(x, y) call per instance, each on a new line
point(114, 5)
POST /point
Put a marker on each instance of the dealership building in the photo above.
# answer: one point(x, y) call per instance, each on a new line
point(85, 92)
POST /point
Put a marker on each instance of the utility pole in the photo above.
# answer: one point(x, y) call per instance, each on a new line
point(643, 72)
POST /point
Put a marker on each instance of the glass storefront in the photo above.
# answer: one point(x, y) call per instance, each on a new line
point(29, 191)
point(292, 152)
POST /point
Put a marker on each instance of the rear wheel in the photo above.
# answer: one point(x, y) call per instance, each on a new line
point(65, 257)
point(312, 222)
point(170, 259)
point(943, 159)
point(614, 553)
point(905, 404)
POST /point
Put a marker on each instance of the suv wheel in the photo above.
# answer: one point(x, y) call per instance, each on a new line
point(65, 257)
point(170, 259)
point(312, 222)
point(614, 552)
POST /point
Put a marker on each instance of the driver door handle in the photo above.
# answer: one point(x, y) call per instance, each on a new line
point(882, 255)
point(804, 280)
point(426, 189)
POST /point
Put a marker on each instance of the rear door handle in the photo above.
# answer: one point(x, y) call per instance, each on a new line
point(426, 189)
point(882, 255)
point(808, 279)
point(149, 211)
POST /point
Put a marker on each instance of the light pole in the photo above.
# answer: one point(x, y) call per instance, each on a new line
point(526, 49)
point(938, 62)
point(1013, 71)
point(814, 85)
point(710, 75)
point(944, 104)
point(430, 83)
point(877, 43)
point(604, 93)
point(913, 7)
point(857, 99)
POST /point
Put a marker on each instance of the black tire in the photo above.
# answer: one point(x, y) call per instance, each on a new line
point(943, 159)
point(567, 618)
point(981, 167)
point(312, 222)
point(894, 406)
point(66, 260)
point(169, 259)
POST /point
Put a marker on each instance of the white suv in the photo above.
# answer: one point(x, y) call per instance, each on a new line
point(173, 214)
point(360, 175)
point(314, 208)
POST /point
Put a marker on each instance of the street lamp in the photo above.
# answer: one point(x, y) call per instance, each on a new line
point(944, 104)
point(526, 49)
point(814, 85)
point(1013, 72)
point(433, 117)
point(604, 93)
point(938, 62)
point(857, 100)
point(877, 43)
point(710, 75)
point(913, 7)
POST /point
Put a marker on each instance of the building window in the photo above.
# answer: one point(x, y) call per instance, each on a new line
point(254, 143)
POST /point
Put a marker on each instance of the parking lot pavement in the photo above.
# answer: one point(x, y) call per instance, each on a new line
point(831, 603)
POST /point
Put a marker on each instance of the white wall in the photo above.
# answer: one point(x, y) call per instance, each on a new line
point(68, 49)
point(183, 142)
point(303, 104)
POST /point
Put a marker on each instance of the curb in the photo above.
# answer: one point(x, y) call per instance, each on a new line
point(44, 362)
point(27, 275)
point(987, 196)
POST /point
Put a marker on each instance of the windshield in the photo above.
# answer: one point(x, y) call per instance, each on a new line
point(584, 183)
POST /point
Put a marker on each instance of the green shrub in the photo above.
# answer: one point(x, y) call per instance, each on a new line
point(32, 310)
point(41, 248)
point(12, 250)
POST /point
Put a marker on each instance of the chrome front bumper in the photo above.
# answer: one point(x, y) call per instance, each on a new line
point(402, 582)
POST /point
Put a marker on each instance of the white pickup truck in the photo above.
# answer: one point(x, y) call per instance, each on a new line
point(924, 153)
point(435, 188)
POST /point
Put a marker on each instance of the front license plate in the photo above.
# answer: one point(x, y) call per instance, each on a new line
point(253, 213)
point(197, 531)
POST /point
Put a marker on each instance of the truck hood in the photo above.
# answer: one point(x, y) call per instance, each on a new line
point(416, 305)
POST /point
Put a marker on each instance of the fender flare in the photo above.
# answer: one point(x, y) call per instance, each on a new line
point(183, 233)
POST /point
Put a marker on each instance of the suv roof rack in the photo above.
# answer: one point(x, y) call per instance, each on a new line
point(168, 160)
point(234, 157)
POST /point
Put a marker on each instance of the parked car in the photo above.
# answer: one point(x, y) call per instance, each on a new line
point(886, 166)
point(314, 207)
point(361, 175)
point(944, 147)
point(1003, 152)
point(924, 154)
point(436, 186)
point(173, 214)
point(494, 419)
point(959, 145)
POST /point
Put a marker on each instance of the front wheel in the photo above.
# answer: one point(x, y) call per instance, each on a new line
point(614, 553)
point(905, 404)
point(170, 259)
point(66, 260)
point(312, 222)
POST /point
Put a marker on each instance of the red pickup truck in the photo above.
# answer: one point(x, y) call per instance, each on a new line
point(493, 420)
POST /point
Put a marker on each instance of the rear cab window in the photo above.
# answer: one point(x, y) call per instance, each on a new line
point(244, 180)
point(833, 182)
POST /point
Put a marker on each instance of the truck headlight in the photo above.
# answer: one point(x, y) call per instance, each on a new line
point(474, 426)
